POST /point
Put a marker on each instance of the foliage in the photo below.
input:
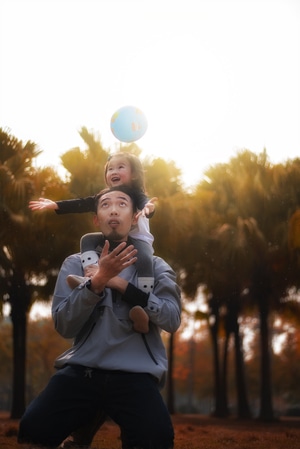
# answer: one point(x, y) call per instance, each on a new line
point(32, 246)
point(43, 346)
point(86, 168)
point(235, 237)
point(193, 368)
point(234, 246)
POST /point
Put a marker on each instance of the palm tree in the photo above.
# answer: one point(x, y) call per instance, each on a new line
point(86, 167)
point(15, 190)
point(32, 246)
point(233, 254)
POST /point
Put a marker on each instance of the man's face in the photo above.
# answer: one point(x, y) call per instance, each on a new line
point(115, 215)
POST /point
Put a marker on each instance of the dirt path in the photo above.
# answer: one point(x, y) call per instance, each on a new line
point(193, 432)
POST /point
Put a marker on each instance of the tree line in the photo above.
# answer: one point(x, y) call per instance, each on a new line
point(235, 237)
point(192, 371)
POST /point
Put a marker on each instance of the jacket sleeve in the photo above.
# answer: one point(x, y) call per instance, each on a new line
point(71, 309)
point(164, 303)
point(76, 206)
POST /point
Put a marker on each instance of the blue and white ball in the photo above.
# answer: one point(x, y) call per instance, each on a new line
point(128, 124)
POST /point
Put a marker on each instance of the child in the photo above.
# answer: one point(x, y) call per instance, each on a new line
point(120, 169)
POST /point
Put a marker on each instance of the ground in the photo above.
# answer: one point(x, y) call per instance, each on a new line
point(193, 432)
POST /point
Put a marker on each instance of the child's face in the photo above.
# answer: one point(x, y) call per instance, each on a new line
point(118, 172)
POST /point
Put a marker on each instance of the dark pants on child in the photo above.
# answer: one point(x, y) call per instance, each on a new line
point(76, 393)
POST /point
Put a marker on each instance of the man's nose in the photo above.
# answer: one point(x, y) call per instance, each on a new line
point(113, 210)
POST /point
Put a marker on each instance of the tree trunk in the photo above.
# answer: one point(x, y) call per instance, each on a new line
point(217, 374)
point(232, 327)
point(242, 398)
point(170, 380)
point(224, 377)
point(266, 406)
point(191, 377)
point(19, 300)
point(214, 321)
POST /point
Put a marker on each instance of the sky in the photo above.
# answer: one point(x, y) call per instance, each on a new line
point(213, 77)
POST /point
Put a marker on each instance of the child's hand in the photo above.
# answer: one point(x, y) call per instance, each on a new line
point(42, 204)
point(90, 270)
point(149, 207)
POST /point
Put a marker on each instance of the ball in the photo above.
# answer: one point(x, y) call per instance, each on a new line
point(128, 124)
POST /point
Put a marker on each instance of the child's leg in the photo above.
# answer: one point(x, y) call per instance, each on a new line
point(88, 245)
point(89, 256)
point(144, 265)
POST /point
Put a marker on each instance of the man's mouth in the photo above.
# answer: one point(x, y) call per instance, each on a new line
point(113, 223)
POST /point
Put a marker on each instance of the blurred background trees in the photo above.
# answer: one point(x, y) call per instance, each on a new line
point(234, 241)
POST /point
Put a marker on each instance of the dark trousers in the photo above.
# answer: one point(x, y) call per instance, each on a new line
point(75, 394)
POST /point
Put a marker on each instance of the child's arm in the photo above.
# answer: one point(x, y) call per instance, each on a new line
point(42, 204)
point(149, 208)
point(77, 206)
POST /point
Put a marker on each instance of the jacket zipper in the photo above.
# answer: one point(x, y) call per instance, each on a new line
point(148, 349)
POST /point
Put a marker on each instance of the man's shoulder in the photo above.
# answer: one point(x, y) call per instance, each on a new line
point(160, 263)
point(74, 256)
point(73, 259)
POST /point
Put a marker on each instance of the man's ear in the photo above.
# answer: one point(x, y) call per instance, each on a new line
point(135, 218)
point(95, 220)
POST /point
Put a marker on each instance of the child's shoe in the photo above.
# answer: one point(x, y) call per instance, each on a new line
point(73, 280)
point(140, 319)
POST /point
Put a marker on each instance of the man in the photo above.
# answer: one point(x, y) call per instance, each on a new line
point(110, 369)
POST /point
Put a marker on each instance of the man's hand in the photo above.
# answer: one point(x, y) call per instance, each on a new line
point(42, 204)
point(117, 283)
point(111, 264)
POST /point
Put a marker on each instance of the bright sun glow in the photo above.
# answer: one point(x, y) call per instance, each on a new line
point(212, 77)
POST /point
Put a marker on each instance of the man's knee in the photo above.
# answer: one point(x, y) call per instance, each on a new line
point(27, 431)
point(31, 430)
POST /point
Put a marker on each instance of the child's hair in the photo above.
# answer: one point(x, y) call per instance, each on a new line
point(138, 175)
point(130, 191)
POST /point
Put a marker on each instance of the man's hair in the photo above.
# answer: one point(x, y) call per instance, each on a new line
point(125, 189)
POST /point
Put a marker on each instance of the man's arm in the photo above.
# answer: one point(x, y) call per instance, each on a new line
point(163, 306)
point(111, 264)
point(72, 308)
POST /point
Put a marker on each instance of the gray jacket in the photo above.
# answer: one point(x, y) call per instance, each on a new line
point(101, 328)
